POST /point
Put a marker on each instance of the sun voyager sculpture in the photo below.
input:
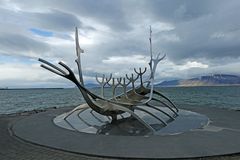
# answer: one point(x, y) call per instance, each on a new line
point(138, 110)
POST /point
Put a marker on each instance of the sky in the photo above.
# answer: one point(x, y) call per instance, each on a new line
point(198, 37)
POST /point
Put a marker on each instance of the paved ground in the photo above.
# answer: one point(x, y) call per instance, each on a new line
point(11, 148)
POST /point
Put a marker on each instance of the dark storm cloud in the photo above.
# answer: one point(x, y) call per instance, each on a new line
point(14, 43)
point(56, 20)
point(215, 35)
point(178, 11)
point(108, 12)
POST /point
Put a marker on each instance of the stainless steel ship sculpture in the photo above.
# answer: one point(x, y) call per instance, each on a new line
point(134, 104)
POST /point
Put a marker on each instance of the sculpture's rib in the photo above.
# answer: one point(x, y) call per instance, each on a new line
point(65, 119)
point(135, 116)
point(151, 115)
point(96, 117)
point(140, 73)
point(151, 106)
point(121, 116)
point(146, 91)
point(166, 105)
point(160, 94)
point(102, 84)
point(88, 124)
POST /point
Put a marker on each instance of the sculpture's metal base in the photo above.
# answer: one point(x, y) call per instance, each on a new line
point(83, 119)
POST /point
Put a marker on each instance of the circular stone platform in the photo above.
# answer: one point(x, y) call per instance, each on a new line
point(219, 137)
point(84, 119)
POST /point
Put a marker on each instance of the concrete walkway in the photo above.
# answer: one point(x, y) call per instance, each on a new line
point(12, 148)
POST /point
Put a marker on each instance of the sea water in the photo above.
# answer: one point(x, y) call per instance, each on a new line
point(12, 101)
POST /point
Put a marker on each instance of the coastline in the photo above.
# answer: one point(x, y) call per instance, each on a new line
point(183, 86)
point(28, 88)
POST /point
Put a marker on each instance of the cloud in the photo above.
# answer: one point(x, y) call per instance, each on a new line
point(133, 59)
point(27, 75)
point(19, 44)
point(106, 12)
point(199, 37)
point(56, 20)
point(192, 64)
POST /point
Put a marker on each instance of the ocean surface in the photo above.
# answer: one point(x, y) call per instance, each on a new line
point(12, 101)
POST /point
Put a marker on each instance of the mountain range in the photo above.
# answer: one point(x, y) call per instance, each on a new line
point(210, 80)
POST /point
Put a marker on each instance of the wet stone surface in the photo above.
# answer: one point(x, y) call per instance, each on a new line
point(12, 148)
point(88, 121)
point(220, 137)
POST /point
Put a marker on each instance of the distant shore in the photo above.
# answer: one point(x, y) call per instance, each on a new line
point(27, 88)
point(224, 85)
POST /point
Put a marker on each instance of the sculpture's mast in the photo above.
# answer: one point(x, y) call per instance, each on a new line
point(150, 41)
point(151, 57)
point(153, 66)
point(78, 60)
